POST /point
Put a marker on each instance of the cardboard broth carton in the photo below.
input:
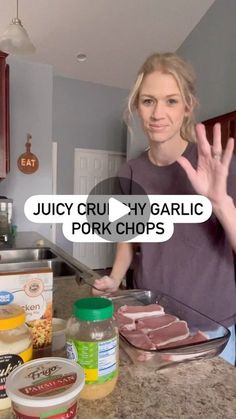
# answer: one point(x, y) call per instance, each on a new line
point(33, 291)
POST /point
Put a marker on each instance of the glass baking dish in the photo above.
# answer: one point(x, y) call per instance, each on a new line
point(217, 334)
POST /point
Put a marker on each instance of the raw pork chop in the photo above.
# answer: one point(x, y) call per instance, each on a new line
point(124, 323)
point(137, 312)
point(197, 338)
point(138, 338)
point(147, 324)
point(172, 333)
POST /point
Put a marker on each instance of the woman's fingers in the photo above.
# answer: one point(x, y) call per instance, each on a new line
point(215, 151)
point(202, 142)
point(97, 292)
point(228, 152)
point(104, 284)
point(217, 145)
point(101, 286)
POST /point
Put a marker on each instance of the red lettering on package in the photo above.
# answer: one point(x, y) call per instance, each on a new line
point(49, 385)
point(69, 414)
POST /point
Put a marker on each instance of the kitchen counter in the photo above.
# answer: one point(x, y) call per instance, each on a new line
point(203, 389)
point(198, 390)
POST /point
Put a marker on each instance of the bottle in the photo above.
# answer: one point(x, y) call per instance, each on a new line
point(15, 345)
point(92, 341)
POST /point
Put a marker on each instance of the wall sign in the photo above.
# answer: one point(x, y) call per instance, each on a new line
point(27, 162)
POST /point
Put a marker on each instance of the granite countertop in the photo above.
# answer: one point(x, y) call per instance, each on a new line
point(200, 389)
point(204, 389)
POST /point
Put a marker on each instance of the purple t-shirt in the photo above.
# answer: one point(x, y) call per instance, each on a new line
point(196, 264)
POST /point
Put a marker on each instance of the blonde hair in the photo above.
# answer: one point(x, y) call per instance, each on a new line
point(168, 63)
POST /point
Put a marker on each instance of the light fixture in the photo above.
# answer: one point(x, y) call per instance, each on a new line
point(15, 39)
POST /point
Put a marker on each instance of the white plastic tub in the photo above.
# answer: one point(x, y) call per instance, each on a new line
point(46, 387)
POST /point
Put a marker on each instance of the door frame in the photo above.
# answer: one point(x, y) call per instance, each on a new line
point(54, 186)
point(94, 152)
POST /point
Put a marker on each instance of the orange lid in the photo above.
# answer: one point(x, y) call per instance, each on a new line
point(11, 316)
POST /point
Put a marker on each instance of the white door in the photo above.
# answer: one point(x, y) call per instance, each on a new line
point(91, 167)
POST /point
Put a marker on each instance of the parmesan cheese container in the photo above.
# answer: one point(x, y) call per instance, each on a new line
point(15, 345)
point(33, 291)
point(46, 388)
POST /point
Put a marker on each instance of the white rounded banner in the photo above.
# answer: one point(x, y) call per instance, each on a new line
point(118, 218)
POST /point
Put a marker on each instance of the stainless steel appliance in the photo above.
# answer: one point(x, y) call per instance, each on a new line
point(5, 218)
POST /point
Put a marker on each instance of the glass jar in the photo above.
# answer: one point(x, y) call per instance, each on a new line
point(15, 345)
point(92, 341)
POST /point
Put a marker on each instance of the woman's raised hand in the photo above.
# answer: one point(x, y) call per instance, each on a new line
point(210, 176)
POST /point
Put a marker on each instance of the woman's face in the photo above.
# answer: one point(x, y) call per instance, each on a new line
point(161, 107)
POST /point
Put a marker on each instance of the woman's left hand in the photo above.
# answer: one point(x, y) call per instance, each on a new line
point(210, 176)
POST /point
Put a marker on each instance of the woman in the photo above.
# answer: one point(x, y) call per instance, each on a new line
point(196, 265)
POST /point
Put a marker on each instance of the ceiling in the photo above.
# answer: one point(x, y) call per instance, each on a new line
point(116, 35)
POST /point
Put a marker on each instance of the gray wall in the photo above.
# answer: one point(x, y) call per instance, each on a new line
point(211, 48)
point(71, 112)
point(85, 115)
point(30, 112)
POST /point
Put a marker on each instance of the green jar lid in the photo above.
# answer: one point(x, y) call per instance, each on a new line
point(93, 309)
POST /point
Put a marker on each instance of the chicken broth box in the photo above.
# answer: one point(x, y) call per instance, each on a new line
point(33, 291)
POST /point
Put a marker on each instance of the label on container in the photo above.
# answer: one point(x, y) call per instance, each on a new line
point(99, 359)
point(33, 292)
point(8, 363)
point(61, 413)
point(6, 297)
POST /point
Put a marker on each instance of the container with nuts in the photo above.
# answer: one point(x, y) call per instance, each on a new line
point(33, 291)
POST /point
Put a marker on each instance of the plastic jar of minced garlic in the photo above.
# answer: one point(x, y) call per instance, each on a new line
point(15, 345)
point(92, 341)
